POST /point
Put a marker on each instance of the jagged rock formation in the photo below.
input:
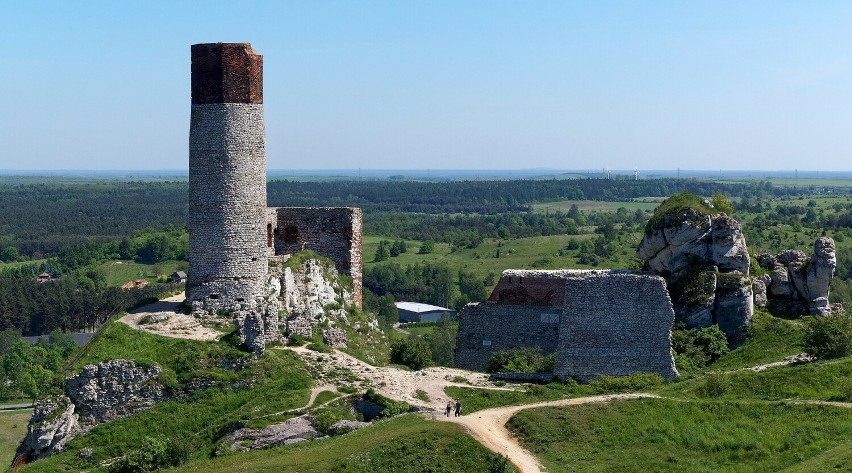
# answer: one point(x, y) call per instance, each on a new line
point(796, 283)
point(704, 257)
point(313, 293)
point(52, 425)
point(100, 393)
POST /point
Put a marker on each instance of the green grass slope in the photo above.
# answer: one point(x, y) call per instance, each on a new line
point(665, 435)
point(402, 444)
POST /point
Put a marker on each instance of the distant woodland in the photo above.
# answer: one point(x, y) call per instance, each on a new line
point(67, 230)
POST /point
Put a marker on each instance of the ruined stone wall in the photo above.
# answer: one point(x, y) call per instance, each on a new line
point(597, 322)
point(616, 323)
point(487, 327)
point(227, 177)
point(333, 232)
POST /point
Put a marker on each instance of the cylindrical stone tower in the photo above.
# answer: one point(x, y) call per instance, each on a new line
point(227, 177)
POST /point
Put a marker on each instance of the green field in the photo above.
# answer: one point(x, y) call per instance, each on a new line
point(122, 271)
point(13, 428)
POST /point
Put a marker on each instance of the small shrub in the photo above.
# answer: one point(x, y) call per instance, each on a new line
point(520, 360)
point(413, 352)
point(325, 418)
point(422, 395)
point(347, 389)
point(391, 408)
point(296, 340)
point(829, 337)
point(696, 348)
point(460, 379)
point(714, 386)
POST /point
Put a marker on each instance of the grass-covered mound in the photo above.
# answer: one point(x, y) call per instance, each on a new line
point(402, 444)
point(673, 210)
point(190, 424)
point(663, 435)
point(770, 339)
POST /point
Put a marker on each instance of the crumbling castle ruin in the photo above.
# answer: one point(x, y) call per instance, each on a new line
point(233, 236)
point(597, 322)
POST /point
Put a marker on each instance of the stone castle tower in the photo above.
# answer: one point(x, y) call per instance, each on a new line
point(227, 177)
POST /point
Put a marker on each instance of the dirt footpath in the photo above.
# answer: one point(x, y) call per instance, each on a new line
point(488, 427)
point(163, 318)
point(397, 383)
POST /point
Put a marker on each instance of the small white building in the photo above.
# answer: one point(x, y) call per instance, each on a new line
point(417, 312)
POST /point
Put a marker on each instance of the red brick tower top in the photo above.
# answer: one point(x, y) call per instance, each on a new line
point(226, 73)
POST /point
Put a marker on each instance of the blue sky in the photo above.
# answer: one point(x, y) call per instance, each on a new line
point(440, 84)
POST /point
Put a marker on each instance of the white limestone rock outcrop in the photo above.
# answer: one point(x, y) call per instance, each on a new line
point(796, 283)
point(99, 393)
point(695, 251)
point(52, 425)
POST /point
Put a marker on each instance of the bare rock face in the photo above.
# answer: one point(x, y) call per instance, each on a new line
point(52, 425)
point(799, 284)
point(758, 288)
point(695, 252)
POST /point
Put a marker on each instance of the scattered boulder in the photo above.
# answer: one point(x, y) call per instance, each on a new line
point(297, 429)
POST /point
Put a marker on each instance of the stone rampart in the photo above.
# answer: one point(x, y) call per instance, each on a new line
point(487, 327)
point(616, 323)
point(597, 322)
point(333, 232)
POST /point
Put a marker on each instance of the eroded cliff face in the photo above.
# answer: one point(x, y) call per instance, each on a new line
point(100, 393)
point(796, 283)
point(705, 260)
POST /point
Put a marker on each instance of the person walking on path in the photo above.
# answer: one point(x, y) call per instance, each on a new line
point(449, 408)
point(458, 408)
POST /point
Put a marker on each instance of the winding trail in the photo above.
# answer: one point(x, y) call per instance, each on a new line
point(488, 427)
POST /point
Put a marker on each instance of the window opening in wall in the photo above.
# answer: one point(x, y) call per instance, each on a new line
point(213, 296)
point(291, 235)
point(269, 235)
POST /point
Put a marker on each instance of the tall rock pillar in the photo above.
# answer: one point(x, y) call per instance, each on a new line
point(227, 177)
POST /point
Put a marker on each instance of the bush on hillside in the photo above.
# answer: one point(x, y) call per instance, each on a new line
point(829, 337)
point(698, 348)
point(521, 360)
point(152, 455)
point(413, 352)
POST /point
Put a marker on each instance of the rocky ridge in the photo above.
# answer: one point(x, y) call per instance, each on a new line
point(99, 393)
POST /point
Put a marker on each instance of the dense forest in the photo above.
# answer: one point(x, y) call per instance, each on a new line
point(39, 220)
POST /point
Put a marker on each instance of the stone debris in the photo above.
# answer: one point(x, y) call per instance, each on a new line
point(345, 426)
